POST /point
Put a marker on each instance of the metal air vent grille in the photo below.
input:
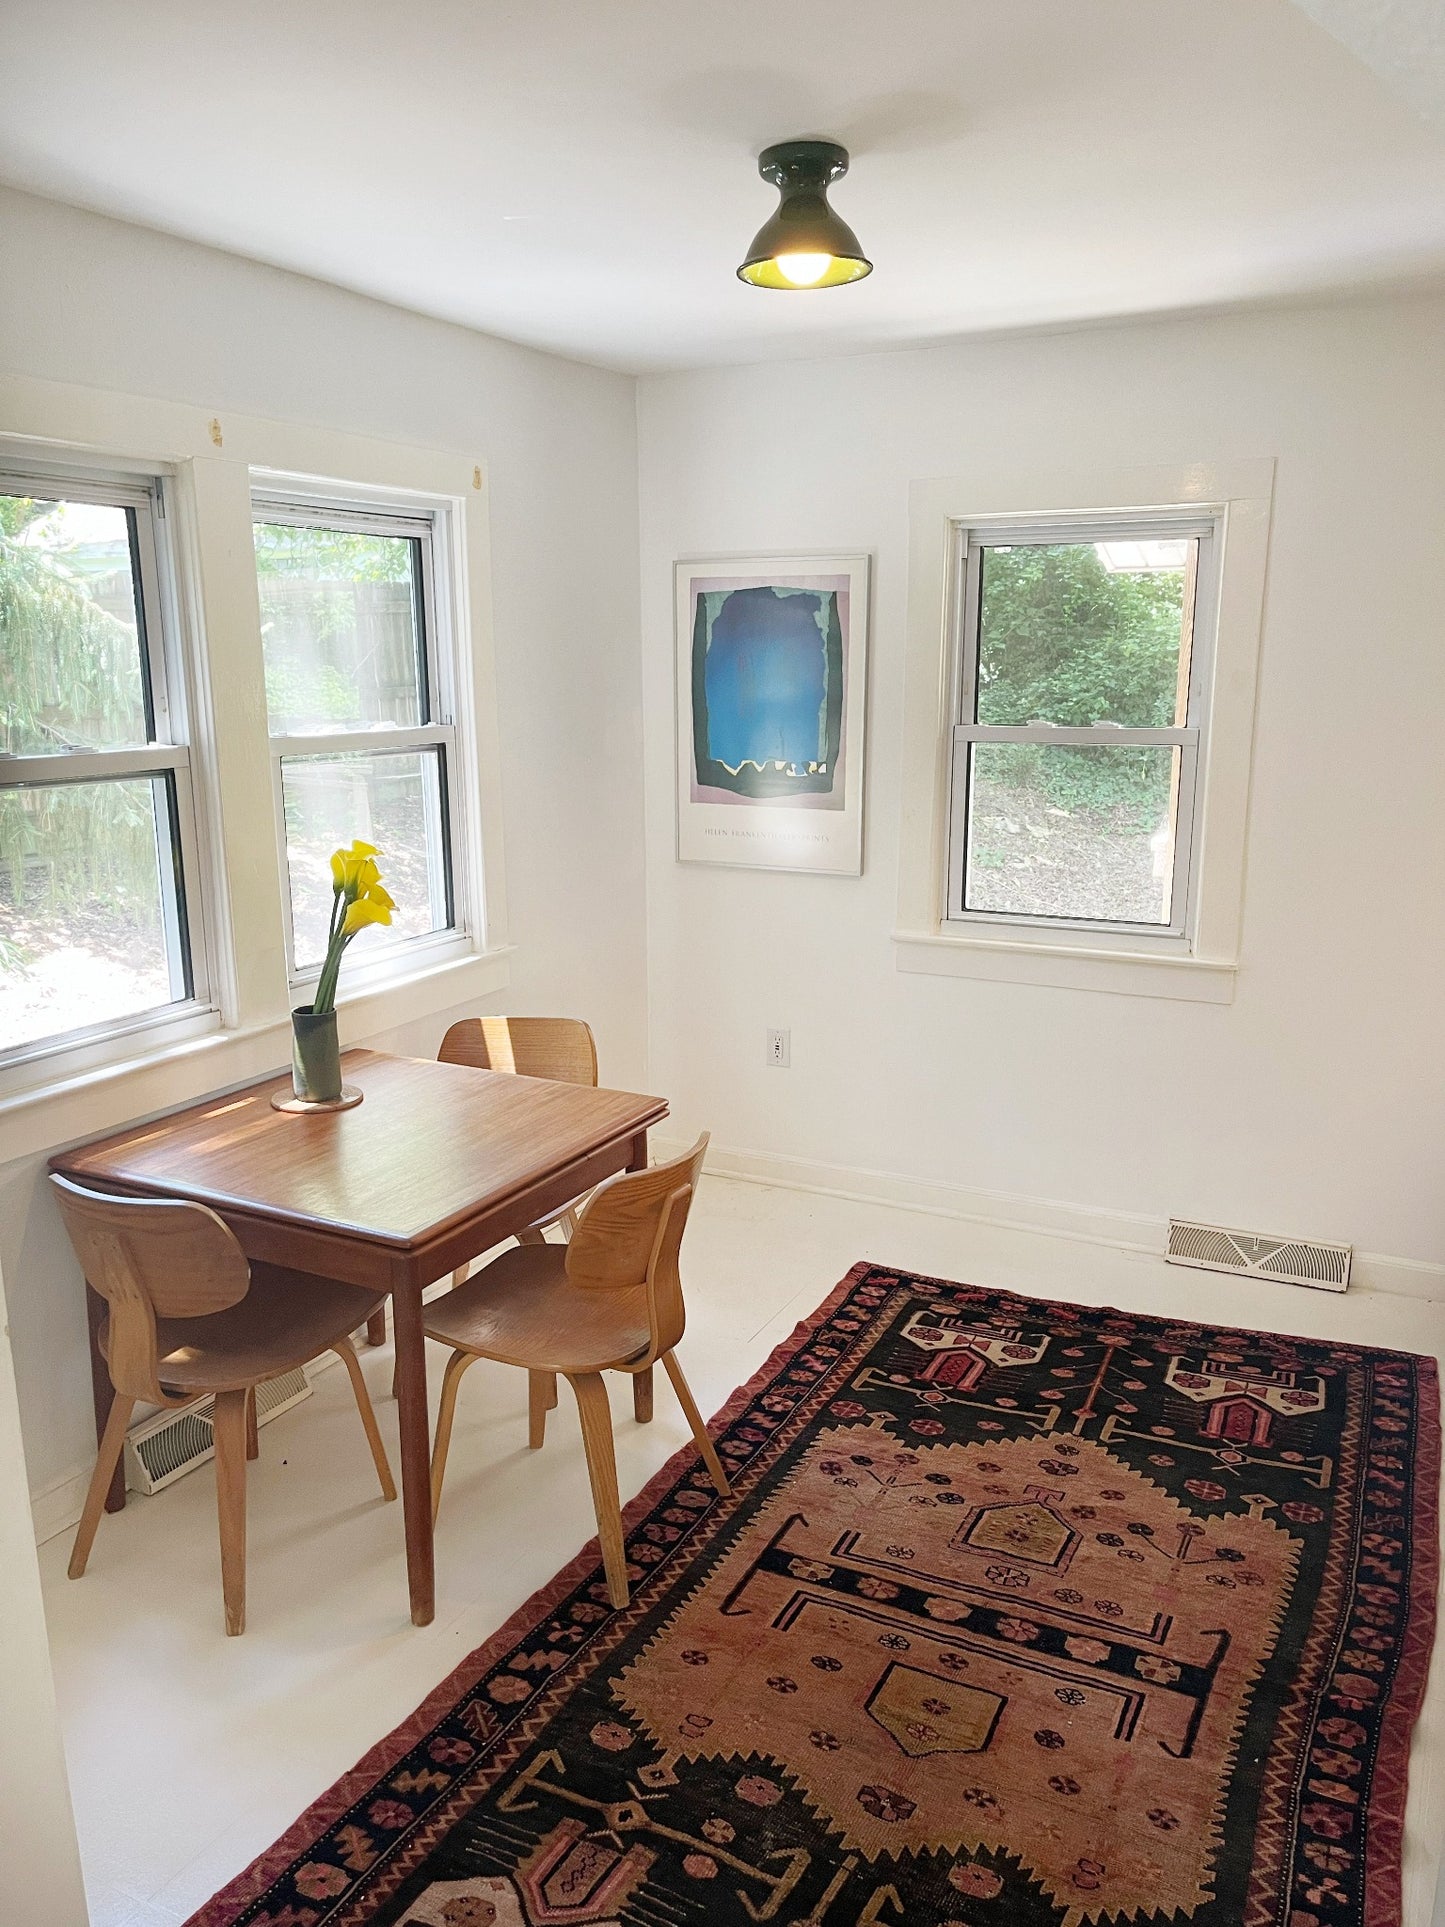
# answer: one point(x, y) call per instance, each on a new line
point(163, 1449)
point(1292, 1261)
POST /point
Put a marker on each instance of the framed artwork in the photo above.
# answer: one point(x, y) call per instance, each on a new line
point(770, 704)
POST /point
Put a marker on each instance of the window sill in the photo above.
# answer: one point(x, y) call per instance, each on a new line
point(1126, 973)
point(89, 1103)
point(372, 972)
point(441, 985)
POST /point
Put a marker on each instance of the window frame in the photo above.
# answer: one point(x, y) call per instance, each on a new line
point(168, 759)
point(994, 485)
point(971, 539)
point(367, 511)
point(209, 464)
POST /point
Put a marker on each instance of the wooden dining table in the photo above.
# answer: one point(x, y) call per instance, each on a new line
point(437, 1164)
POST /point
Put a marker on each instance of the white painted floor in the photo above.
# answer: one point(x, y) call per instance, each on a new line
point(189, 1753)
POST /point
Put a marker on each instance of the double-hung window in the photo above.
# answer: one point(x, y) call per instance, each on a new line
point(100, 902)
point(1081, 693)
point(357, 634)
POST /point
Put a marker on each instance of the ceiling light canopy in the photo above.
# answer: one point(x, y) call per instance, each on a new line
point(805, 244)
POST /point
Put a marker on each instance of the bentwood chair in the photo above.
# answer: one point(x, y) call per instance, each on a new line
point(608, 1301)
point(559, 1048)
point(187, 1315)
point(564, 1050)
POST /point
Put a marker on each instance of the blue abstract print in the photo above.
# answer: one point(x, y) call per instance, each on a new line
point(767, 676)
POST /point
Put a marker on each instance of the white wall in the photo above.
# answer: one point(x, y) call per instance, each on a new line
point(120, 308)
point(39, 1861)
point(1313, 1104)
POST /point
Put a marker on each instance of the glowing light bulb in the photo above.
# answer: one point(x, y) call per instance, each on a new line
point(804, 270)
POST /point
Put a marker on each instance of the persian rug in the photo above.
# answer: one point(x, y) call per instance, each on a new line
point(1020, 1615)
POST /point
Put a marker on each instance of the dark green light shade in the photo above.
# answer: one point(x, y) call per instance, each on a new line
point(804, 224)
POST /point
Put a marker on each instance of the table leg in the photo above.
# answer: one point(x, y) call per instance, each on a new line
point(104, 1394)
point(415, 1450)
point(376, 1327)
point(641, 1381)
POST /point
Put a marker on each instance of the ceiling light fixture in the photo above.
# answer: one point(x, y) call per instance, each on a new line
point(805, 244)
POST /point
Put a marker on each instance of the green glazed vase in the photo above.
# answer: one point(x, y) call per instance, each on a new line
point(315, 1056)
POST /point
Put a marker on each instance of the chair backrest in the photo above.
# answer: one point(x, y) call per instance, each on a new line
point(629, 1233)
point(557, 1047)
point(150, 1258)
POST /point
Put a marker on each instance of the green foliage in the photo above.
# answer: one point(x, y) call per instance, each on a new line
point(17, 512)
point(70, 846)
point(340, 554)
point(70, 677)
point(1079, 777)
point(69, 669)
point(1064, 640)
point(315, 584)
point(320, 693)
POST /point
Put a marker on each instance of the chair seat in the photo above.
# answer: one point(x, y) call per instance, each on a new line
point(286, 1319)
point(524, 1310)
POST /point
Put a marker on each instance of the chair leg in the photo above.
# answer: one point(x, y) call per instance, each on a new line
point(253, 1441)
point(541, 1399)
point(694, 1418)
point(346, 1352)
point(596, 1416)
point(458, 1363)
point(230, 1431)
point(105, 1463)
point(565, 1221)
point(459, 1276)
point(642, 1395)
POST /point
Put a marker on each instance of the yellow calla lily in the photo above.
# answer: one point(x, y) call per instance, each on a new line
point(363, 911)
point(354, 871)
point(358, 899)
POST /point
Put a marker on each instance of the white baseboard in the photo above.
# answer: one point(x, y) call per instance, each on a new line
point(1014, 1211)
point(56, 1507)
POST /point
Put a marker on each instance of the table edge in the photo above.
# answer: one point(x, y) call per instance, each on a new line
point(63, 1164)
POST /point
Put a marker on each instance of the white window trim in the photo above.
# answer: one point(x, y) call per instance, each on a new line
point(1201, 962)
point(169, 670)
point(210, 462)
point(383, 512)
point(1191, 739)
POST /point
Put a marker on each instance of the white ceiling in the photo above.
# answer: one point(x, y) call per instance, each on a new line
point(580, 174)
point(1403, 40)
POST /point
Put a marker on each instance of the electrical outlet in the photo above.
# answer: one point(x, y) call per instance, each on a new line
point(780, 1049)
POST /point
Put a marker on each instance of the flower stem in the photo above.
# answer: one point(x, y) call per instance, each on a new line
point(325, 997)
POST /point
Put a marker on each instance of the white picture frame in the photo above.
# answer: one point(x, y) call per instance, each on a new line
point(771, 694)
